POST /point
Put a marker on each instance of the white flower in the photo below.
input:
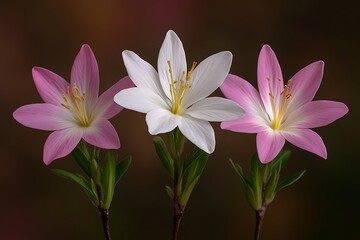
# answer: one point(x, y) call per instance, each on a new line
point(174, 97)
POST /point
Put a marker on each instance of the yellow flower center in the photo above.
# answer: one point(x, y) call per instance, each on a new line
point(74, 101)
point(178, 88)
point(278, 114)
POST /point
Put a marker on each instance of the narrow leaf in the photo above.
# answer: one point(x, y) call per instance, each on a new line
point(122, 167)
point(289, 181)
point(164, 155)
point(281, 159)
point(197, 166)
point(256, 176)
point(82, 160)
point(108, 179)
point(187, 192)
point(169, 191)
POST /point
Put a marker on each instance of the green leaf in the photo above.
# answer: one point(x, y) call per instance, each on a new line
point(82, 160)
point(289, 181)
point(169, 191)
point(280, 161)
point(239, 171)
point(196, 165)
point(187, 192)
point(108, 179)
point(80, 180)
point(256, 177)
point(271, 186)
point(164, 155)
point(122, 167)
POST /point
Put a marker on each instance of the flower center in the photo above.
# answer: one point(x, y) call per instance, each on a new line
point(178, 88)
point(278, 114)
point(74, 101)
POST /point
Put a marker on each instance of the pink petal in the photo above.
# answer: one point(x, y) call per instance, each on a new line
point(43, 116)
point(242, 92)
point(85, 74)
point(102, 134)
point(105, 105)
point(269, 144)
point(60, 143)
point(49, 85)
point(305, 84)
point(247, 124)
point(316, 114)
point(307, 140)
point(268, 67)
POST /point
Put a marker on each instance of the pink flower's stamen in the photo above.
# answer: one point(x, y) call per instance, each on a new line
point(75, 103)
point(178, 88)
point(278, 114)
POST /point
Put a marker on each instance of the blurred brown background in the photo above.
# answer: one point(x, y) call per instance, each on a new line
point(35, 204)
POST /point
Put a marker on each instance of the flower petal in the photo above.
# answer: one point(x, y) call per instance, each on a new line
point(44, 116)
point(105, 106)
point(49, 85)
point(199, 132)
point(161, 121)
point(207, 77)
point(142, 73)
point(61, 143)
point(215, 109)
point(305, 84)
point(102, 134)
point(139, 99)
point(171, 50)
point(269, 74)
point(85, 74)
point(247, 124)
point(269, 144)
point(242, 92)
point(307, 140)
point(316, 114)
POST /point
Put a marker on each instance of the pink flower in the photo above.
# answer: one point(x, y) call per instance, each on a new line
point(282, 112)
point(73, 111)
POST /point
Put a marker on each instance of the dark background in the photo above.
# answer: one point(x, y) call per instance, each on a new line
point(35, 204)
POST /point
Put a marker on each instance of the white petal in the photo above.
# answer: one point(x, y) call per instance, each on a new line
point(199, 132)
point(207, 77)
point(142, 73)
point(215, 109)
point(139, 99)
point(171, 50)
point(161, 121)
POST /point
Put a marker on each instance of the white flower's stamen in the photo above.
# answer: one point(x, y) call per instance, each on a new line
point(178, 88)
point(278, 114)
point(75, 103)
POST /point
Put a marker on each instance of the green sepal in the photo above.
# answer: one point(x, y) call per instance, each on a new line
point(164, 155)
point(290, 180)
point(122, 167)
point(280, 160)
point(169, 192)
point(249, 191)
point(80, 180)
point(108, 179)
point(81, 158)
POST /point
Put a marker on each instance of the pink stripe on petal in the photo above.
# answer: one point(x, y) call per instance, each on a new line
point(247, 124)
point(307, 140)
point(43, 116)
point(102, 135)
point(61, 143)
point(105, 105)
point(49, 85)
point(85, 73)
point(305, 84)
point(269, 68)
point(316, 114)
point(269, 144)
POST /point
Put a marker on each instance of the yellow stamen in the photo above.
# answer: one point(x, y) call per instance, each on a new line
point(76, 104)
point(278, 114)
point(178, 88)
